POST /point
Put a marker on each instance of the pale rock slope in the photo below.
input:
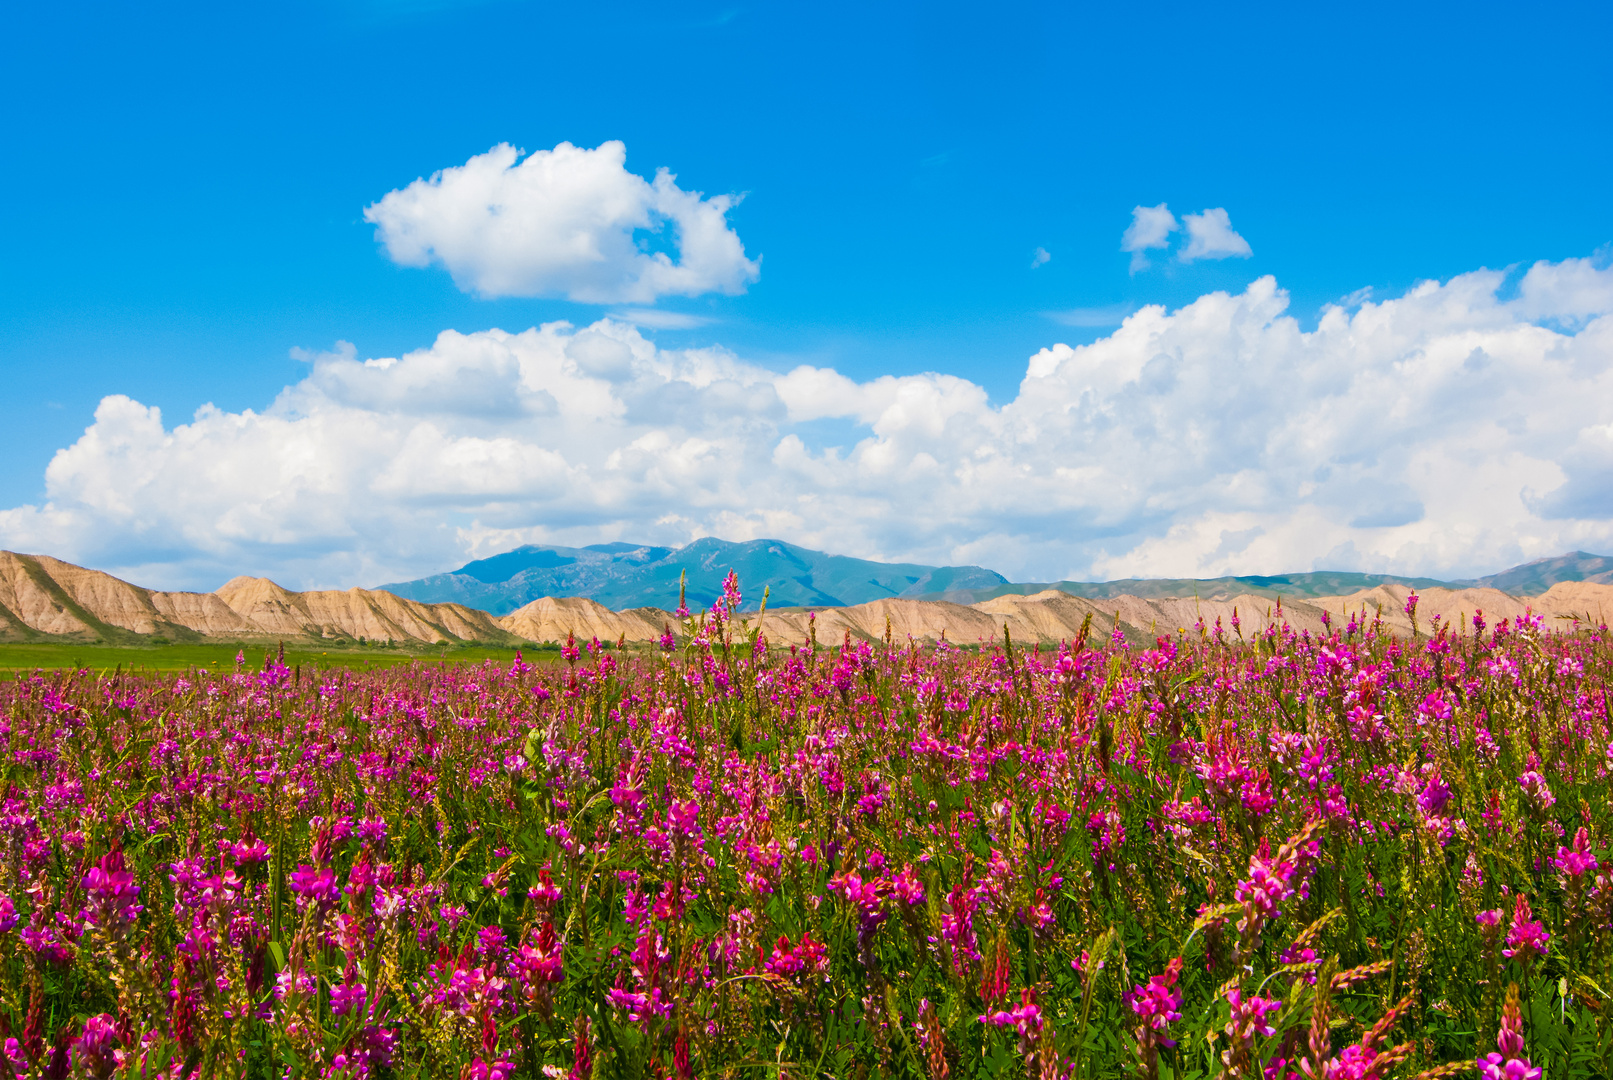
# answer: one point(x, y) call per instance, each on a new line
point(1561, 603)
point(1056, 616)
point(1043, 618)
point(1583, 600)
point(29, 601)
point(206, 613)
point(354, 613)
point(42, 598)
point(919, 619)
point(553, 618)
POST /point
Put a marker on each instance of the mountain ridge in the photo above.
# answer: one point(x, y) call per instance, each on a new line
point(626, 576)
point(46, 599)
point(623, 575)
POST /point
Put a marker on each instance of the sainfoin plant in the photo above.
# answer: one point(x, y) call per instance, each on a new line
point(1290, 857)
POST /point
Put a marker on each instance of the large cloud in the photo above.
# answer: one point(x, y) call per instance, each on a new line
point(1447, 431)
point(565, 222)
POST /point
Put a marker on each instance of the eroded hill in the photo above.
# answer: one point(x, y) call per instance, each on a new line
point(43, 599)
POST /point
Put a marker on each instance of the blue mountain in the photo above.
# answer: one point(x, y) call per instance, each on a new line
point(627, 575)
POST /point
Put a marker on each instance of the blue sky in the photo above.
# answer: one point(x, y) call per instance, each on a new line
point(185, 192)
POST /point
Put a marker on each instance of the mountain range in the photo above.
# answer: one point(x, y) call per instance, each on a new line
point(623, 575)
point(46, 599)
point(626, 576)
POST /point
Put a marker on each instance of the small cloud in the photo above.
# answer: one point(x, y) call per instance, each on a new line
point(568, 222)
point(1210, 236)
point(935, 161)
point(1151, 227)
point(1040, 257)
point(1108, 315)
point(661, 320)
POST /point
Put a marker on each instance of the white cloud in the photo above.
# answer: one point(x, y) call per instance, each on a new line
point(1210, 236)
point(1151, 227)
point(1040, 257)
point(1447, 431)
point(568, 222)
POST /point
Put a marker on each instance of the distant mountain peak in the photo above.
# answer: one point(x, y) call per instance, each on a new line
point(622, 575)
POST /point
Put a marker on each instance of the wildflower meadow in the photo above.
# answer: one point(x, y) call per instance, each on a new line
point(1282, 856)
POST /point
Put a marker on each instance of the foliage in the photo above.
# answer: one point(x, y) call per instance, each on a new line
point(1346, 856)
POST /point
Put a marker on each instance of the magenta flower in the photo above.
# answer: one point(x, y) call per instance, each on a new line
point(906, 887)
point(1534, 785)
point(545, 894)
point(807, 957)
point(1577, 860)
point(1249, 1015)
point(1526, 938)
point(1509, 1063)
point(684, 817)
point(1026, 1019)
point(93, 1051)
point(1159, 1002)
point(869, 898)
point(113, 895)
point(347, 997)
point(316, 886)
point(1246, 1024)
point(249, 850)
point(1434, 795)
point(495, 1070)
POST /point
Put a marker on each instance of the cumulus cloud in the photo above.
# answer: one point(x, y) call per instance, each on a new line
point(1151, 227)
point(568, 222)
point(1210, 236)
point(1456, 429)
point(1040, 257)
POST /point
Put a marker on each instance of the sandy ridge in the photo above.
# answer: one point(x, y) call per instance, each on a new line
point(45, 598)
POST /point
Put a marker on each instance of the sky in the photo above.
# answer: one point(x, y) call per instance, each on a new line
point(351, 292)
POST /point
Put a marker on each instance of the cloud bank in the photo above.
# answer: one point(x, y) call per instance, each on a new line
point(567, 222)
point(1460, 428)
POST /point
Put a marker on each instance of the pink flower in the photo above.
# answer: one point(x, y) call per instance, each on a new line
point(1526, 937)
point(1577, 860)
point(1509, 1063)
point(1435, 794)
point(347, 997)
point(1534, 785)
point(907, 887)
point(93, 1050)
point(317, 886)
point(112, 892)
point(807, 956)
point(1159, 1002)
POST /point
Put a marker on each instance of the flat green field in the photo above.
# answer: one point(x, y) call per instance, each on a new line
point(221, 656)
